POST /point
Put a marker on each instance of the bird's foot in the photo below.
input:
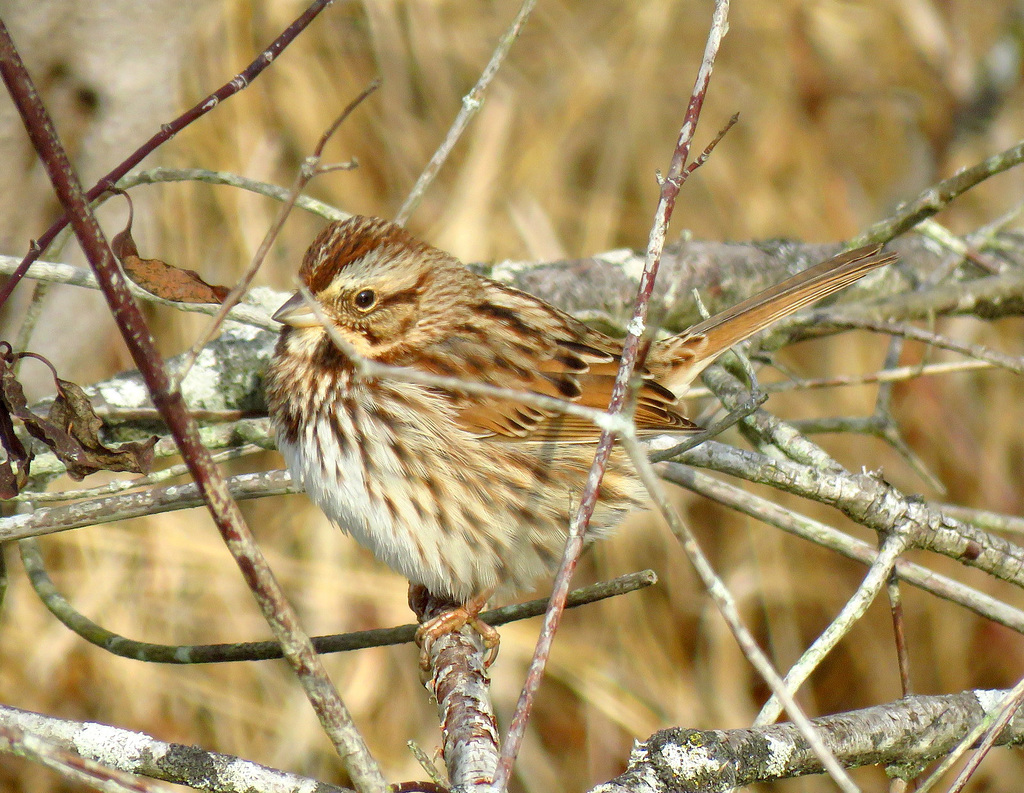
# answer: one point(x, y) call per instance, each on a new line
point(455, 620)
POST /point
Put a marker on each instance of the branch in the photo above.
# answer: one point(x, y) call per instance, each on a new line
point(908, 734)
point(471, 103)
point(116, 644)
point(60, 273)
point(871, 502)
point(137, 753)
point(769, 512)
point(459, 684)
point(161, 175)
point(152, 501)
point(938, 196)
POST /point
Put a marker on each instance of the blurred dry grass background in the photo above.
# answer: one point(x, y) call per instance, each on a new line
point(846, 109)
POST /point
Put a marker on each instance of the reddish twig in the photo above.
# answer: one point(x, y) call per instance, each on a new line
point(899, 632)
point(670, 186)
point(330, 709)
point(167, 131)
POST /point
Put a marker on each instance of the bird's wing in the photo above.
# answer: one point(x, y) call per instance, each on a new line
point(518, 342)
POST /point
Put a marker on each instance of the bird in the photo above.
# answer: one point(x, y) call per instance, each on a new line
point(469, 495)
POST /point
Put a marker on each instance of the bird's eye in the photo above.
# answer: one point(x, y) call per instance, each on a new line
point(365, 299)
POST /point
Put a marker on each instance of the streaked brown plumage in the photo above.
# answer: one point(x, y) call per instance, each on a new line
point(465, 494)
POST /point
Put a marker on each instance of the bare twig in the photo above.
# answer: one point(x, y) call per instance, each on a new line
point(932, 200)
point(769, 429)
point(471, 103)
point(936, 231)
point(854, 608)
point(330, 709)
point(894, 375)
point(730, 613)
point(899, 632)
point(120, 485)
point(1011, 363)
point(828, 537)
point(631, 348)
point(161, 175)
point(871, 502)
point(149, 652)
point(152, 501)
point(60, 273)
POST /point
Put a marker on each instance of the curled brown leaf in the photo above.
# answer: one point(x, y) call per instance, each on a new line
point(71, 430)
point(159, 278)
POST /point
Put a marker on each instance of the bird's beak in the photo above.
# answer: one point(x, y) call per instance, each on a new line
point(297, 313)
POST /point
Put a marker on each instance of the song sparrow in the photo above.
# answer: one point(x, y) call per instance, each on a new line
point(463, 494)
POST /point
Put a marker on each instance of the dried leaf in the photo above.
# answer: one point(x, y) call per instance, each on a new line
point(172, 283)
point(71, 430)
point(11, 481)
point(73, 410)
point(9, 484)
point(162, 279)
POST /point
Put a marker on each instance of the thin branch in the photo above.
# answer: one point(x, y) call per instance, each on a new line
point(894, 375)
point(826, 536)
point(756, 400)
point(152, 501)
point(899, 632)
point(471, 103)
point(770, 429)
point(148, 652)
point(726, 604)
point(934, 230)
point(631, 349)
point(870, 501)
point(59, 273)
point(936, 197)
point(979, 352)
point(120, 485)
point(161, 175)
point(854, 608)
